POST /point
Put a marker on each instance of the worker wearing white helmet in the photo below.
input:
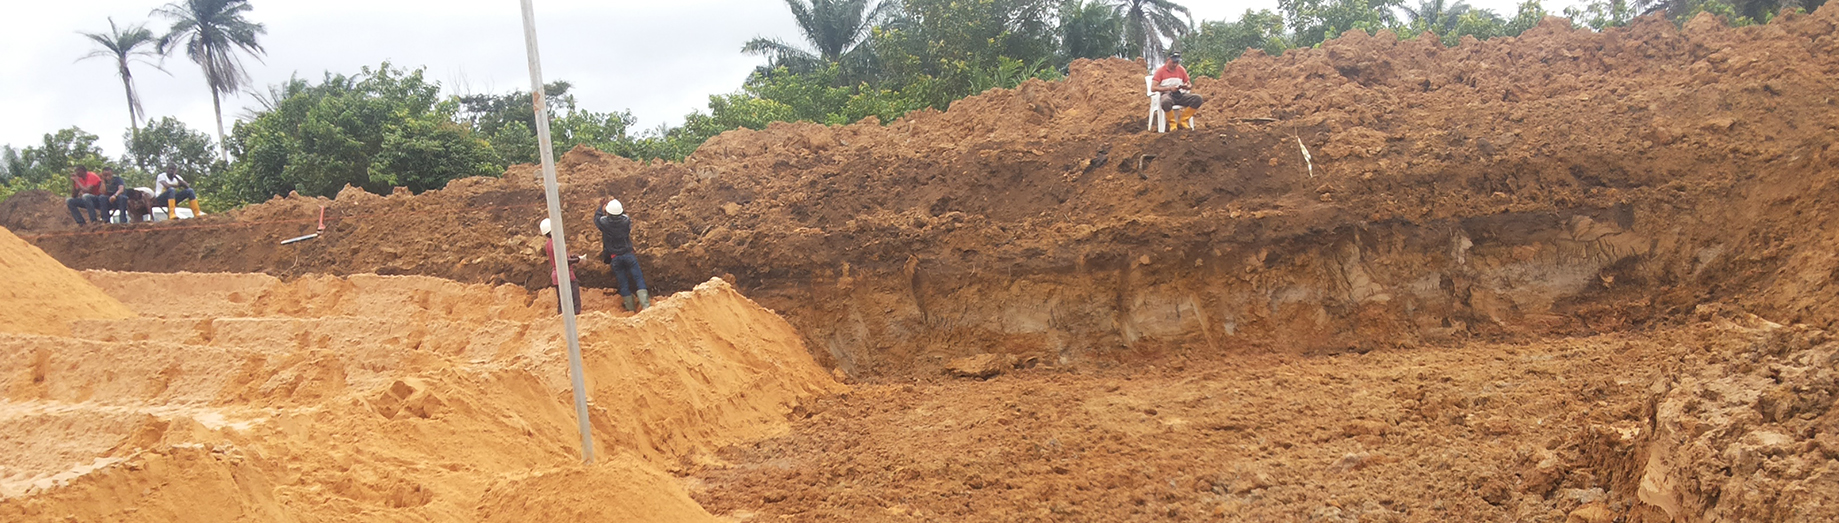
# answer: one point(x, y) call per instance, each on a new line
point(555, 278)
point(616, 249)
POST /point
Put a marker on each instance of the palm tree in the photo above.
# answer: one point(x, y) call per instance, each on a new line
point(835, 28)
point(1436, 16)
point(1090, 29)
point(133, 44)
point(212, 31)
point(1147, 22)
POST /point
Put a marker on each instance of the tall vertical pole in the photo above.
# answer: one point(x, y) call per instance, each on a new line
point(565, 280)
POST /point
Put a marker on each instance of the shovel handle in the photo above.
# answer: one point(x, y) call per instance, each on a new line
point(322, 217)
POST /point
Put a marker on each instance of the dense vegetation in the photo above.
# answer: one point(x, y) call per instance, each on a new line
point(389, 126)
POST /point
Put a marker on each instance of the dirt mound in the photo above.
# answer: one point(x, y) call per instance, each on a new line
point(35, 210)
point(43, 296)
point(636, 493)
point(1455, 193)
point(349, 399)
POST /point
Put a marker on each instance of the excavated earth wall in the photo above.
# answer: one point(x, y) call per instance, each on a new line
point(1565, 181)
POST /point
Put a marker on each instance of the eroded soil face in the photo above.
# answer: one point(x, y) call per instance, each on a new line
point(1477, 432)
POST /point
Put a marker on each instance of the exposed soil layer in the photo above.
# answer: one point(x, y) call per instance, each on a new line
point(240, 397)
point(1561, 182)
point(1521, 279)
point(1543, 431)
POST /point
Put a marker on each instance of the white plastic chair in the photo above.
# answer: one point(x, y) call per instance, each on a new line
point(1158, 119)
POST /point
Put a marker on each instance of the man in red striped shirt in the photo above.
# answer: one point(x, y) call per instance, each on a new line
point(1176, 92)
point(85, 193)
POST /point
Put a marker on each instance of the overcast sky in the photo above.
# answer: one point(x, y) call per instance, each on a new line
point(660, 60)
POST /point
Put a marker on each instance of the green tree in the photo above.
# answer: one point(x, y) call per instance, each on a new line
point(1215, 43)
point(836, 29)
point(376, 130)
point(169, 142)
point(1148, 22)
point(125, 46)
point(212, 31)
point(506, 121)
point(1602, 14)
point(1315, 21)
point(53, 158)
point(1090, 29)
point(933, 50)
point(1437, 16)
point(9, 157)
point(486, 113)
point(1528, 14)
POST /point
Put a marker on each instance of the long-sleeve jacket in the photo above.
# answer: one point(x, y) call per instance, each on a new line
point(615, 233)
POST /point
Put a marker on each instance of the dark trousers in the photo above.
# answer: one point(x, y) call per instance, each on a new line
point(95, 203)
point(175, 194)
point(1181, 98)
point(576, 284)
point(120, 204)
point(626, 270)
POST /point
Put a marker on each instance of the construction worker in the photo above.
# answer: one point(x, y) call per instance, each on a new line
point(555, 277)
point(173, 189)
point(85, 193)
point(616, 249)
point(1172, 81)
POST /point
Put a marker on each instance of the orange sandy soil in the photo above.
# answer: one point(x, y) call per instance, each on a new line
point(1541, 431)
point(240, 397)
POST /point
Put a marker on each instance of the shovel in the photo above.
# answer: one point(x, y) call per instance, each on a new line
point(322, 228)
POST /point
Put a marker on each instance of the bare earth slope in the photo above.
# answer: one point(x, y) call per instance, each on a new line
point(43, 296)
point(1561, 182)
point(384, 397)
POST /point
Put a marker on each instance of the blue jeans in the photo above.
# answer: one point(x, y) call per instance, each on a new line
point(175, 194)
point(120, 204)
point(95, 203)
point(626, 270)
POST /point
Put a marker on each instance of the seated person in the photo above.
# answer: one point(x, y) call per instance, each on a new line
point(1172, 81)
point(85, 193)
point(115, 195)
point(172, 189)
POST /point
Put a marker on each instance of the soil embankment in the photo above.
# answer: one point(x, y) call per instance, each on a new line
point(238, 397)
point(1562, 182)
point(1599, 264)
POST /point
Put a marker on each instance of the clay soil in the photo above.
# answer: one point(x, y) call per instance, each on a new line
point(1570, 276)
point(1483, 432)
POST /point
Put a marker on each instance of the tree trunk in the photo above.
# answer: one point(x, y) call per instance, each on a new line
point(127, 84)
point(223, 148)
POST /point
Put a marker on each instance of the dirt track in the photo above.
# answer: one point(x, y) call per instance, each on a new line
point(1526, 274)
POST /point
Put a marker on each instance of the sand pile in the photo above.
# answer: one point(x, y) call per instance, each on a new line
point(43, 296)
point(405, 397)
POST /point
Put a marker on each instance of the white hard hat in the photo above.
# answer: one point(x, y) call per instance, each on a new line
point(544, 226)
point(613, 207)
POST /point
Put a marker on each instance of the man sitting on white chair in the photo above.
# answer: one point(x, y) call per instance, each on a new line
point(1175, 93)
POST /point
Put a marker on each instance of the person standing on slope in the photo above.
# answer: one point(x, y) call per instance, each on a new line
point(616, 249)
point(555, 276)
point(1172, 81)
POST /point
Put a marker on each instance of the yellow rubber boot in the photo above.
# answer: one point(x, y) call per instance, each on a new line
point(172, 208)
point(194, 205)
point(1187, 117)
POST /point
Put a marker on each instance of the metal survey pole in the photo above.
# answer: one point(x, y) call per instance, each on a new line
point(550, 193)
